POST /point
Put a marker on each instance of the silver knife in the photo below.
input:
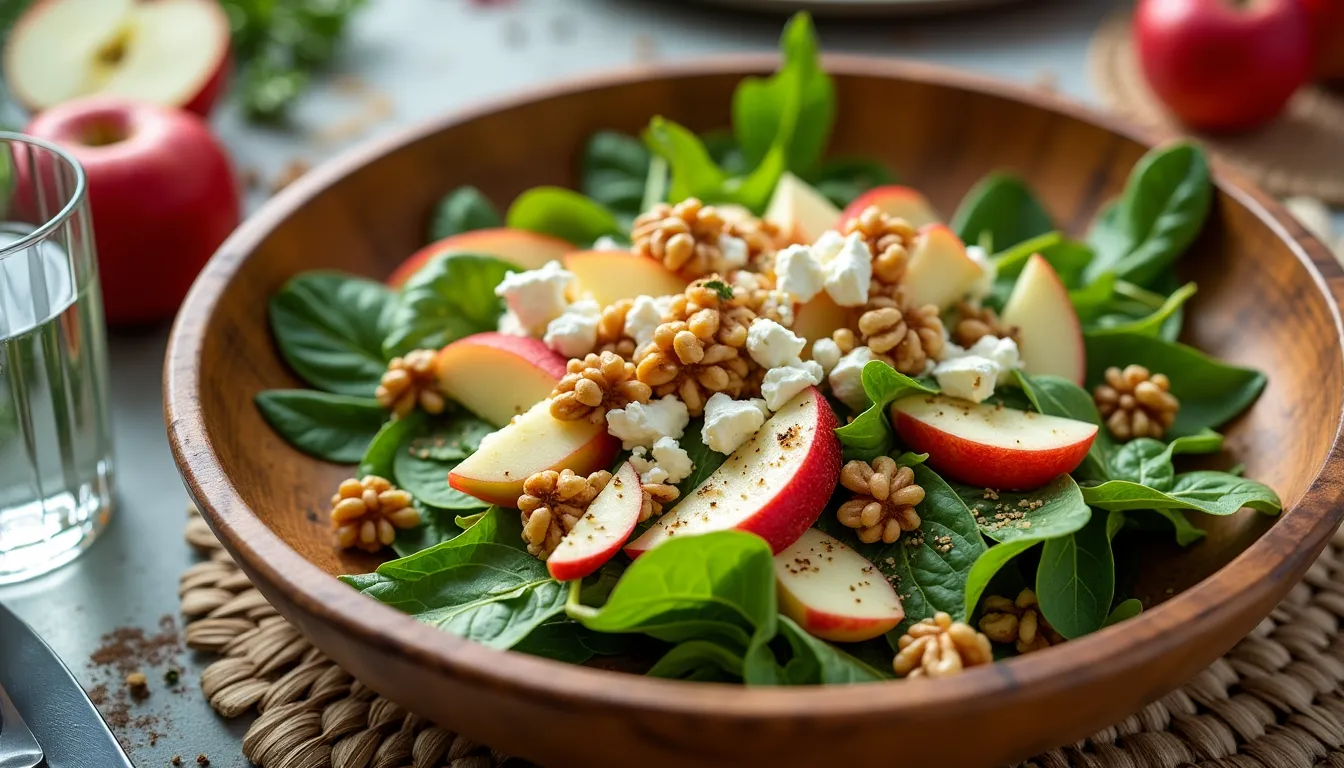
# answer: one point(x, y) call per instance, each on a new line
point(55, 707)
point(18, 747)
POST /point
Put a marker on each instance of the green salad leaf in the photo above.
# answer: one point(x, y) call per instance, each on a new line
point(817, 662)
point(1214, 493)
point(614, 170)
point(700, 660)
point(426, 456)
point(1055, 396)
point(335, 428)
point(1148, 462)
point(1157, 322)
point(1001, 210)
point(463, 210)
point(563, 213)
point(382, 451)
point(1075, 582)
point(450, 297)
point(1125, 611)
point(330, 327)
point(870, 434)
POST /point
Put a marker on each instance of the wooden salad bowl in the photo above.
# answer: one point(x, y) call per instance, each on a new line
point(1268, 297)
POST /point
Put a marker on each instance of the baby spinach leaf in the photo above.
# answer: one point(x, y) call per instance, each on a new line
point(426, 477)
point(335, 428)
point(1093, 300)
point(436, 526)
point(870, 434)
point(463, 210)
point(330, 326)
point(558, 639)
point(1153, 323)
point(817, 662)
point(1214, 493)
point(1210, 392)
point(1055, 396)
point(562, 213)
point(498, 526)
point(1011, 259)
point(706, 461)
point(1185, 531)
point(1149, 462)
point(1075, 582)
point(690, 659)
point(1067, 257)
point(1003, 208)
point(1125, 611)
point(842, 180)
point(382, 449)
point(448, 298)
point(466, 521)
point(694, 173)
point(614, 171)
point(724, 151)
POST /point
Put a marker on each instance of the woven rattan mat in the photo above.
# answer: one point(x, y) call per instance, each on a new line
point(1276, 700)
point(1300, 153)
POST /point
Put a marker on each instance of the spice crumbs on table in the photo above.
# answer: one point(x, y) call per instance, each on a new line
point(177, 760)
point(201, 759)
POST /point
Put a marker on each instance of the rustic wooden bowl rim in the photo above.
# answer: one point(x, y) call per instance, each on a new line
point(1249, 576)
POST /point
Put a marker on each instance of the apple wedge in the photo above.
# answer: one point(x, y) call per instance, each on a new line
point(604, 527)
point(609, 276)
point(532, 442)
point(173, 53)
point(833, 592)
point(1049, 336)
point(497, 376)
point(940, 271)
point(523, 249)
point(893, 200)
point(801, 212)
point(818, 319)
point(991, 446)
point(774, 485)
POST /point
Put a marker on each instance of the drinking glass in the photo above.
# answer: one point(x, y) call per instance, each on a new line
point(55, 430)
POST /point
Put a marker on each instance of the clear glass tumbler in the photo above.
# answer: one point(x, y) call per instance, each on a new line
point(55, 427)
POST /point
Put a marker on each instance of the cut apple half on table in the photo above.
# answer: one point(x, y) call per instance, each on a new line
point(523, 249)
point(174, 53)
point(774, 485)
point(893, 200)
point(1049, 336)
point(498, 376)
point(833, 592)
point(940, 271)
point(604, 527)
point(609, 276)
point(801, 212)
point(991, 446)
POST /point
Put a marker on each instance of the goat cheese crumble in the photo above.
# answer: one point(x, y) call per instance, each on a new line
point(665, 462)
point(574, 332)
point(643, 423)
point(537, 296)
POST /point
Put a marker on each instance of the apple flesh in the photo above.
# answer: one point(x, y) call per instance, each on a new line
point(523, 249)
point(991, 446)
point(801, 212)
point(940, 271)
point(774, 485)
point(1050, 338)
point(604, 527)
point(819, 318)
point(609, 276)
point(497, 376)
point(893, 200)
point(173, 53)
point(532, 442)
point(833, 592)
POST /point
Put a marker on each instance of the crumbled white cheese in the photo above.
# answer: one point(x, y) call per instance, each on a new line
point(729, 423)
point(608, 243)
point(667, 462)
point(849, 274)
point(643, 423)
point(744, 281)
point(780, 304)
point(782, 383)
point(847, 378)
point(733, 251)
point(643, 319)
point(968, 378)
point(984, 285)
point(772, 345)
point(510, 325)
point(825, 248)
point(799, 273)
point(1002, 352)
point(536, 296)
point(827, 354)
point(574, 332)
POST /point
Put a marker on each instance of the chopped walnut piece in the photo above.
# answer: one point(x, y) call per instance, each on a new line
point(1018, 622)
point(940, 647)
point(974, 323)
point(884, 500)
point(1136, 403)
point(889, 238)
point(410, 380)
point(909, 335)
point(552, 504)
point(683, 237)
point(611, 330)
point(596, 384)
point(762, 237)
point(365, 513)
point(845, 339)
point(655, 496)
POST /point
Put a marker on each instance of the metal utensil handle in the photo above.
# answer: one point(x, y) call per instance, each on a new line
point(18, 746)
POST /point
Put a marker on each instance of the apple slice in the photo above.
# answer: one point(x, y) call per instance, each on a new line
point(801, 212)
point(818, 319)
point(893, 200)
point(599, 534)
point(523, 249)
point(833, 592)
point(174, 53)
point(531, 443)
point(1049, 336)
point(991, 446)
point(774, 485)
point(497, 376)
point(609, 276)
point(940, 271)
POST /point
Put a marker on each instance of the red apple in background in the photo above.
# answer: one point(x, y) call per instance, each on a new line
point(1327, 29)
point(169, 52)
point(161, 191)
point(1224, 65)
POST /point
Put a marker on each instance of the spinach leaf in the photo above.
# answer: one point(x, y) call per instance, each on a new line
point(383, 448)
point(725, 152)
point(426, 477)
point(1186, 532)
point(842, 180)
point(817, 662)
point(335, 428)
point(694, 173)
point(558, 639)
point(466, 521)
point(1076, 579)
point(330, 326)
point(1003, 209)
point(689, 660)
point(1210, 392)
point(1124, 611)
point(1149, 462)
point(1214, 493)
point(1055, 396)
point(562, 213)
point(463, 210)
point(1093, 300)
point(1067, 257)
point(706, 461)
point(614, 171)
point(1153, 323)
point(870, 434)
point(450, 297)
point(498, 526)
point(436, 526)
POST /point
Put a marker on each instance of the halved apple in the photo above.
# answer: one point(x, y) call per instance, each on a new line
point(818, 319)
point(609, 276)
point(523, 249)
point(774, 485)
point(893, 200)
point(174, 53)
point(991, 446)
point(498, 376)
point(1049, 336)
point(801, 212)
point(604, 527)
point(531, 443)
point(940, 272)
point(833, 592)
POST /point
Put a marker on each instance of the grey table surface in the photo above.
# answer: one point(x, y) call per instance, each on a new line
point(428, 57)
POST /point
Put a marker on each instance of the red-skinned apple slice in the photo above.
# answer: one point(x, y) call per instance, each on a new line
point(833, 592)
point(532, 442)
point(1050, 338)
point(497, 376)
point(523, 249)
point(893, 200)
point(989, 445)
point(801, 212)
point(604, 527)
point(609, 276)
point(774, 485)
point(940, 272)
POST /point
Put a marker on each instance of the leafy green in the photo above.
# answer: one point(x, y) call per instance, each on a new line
point(467, 521)
point(870, 434)
point(1125, 611)
point(1055, 396)
point(382, 450)
point(1075, 582)
point(692, 659)
point(800, 94)
point(450, 297)
point(706, 460)
point(1153, 323)
point(1149, 462)
point(614, 171)
point(694, 173)
point(463, 210)
point(336, 428)
point(330, 327)
point(1002, 209)
point(842, 180)
point(419, 470)
point(436, 526)
point(562, 213)
point(1068, 258)
point(1186, 532)
point(1214, 493)
point(817, 662)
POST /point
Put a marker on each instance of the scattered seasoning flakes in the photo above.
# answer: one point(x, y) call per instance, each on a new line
point(991, 494)
point(942, 544)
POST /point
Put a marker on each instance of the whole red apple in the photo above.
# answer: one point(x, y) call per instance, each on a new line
point(1327, 28)
point(161, 191)
point(1224, 65)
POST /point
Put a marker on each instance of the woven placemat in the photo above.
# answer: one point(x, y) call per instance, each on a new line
point(1276, 700)
point(1299, 153)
